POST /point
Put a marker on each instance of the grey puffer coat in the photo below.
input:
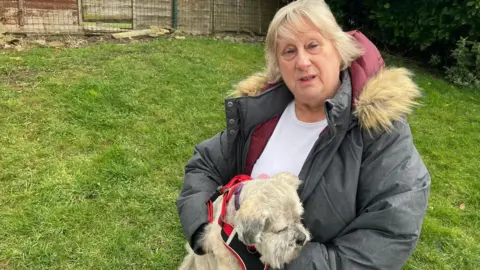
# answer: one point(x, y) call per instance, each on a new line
point(365, 187)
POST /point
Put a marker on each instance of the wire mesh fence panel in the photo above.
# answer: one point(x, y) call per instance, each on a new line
point(238, 16)
point(39, 16)
point(194, 16)
point(121, 15)
point(268, 9)
point(244, 15)
point(9, 13)
point(106, 15)
point(153, 12)
point(214, 16)
point(190, 16)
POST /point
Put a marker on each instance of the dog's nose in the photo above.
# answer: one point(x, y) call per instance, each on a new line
point(301, 239)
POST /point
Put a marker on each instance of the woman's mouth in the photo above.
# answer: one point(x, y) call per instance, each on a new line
point(307, 78)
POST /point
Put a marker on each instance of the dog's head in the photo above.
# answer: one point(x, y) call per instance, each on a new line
point(270, 218)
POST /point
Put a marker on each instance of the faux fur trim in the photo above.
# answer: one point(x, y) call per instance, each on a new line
point(251, 86)
point(387, 97)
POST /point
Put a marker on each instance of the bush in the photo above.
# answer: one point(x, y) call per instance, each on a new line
point(466, 70)
point(432, 29)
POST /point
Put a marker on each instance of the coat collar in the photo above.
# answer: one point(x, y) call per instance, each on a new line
point(244, 113)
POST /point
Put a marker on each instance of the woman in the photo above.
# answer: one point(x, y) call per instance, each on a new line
point(327, 111)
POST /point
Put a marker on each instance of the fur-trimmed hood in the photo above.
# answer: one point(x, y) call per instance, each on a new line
point(386, 97)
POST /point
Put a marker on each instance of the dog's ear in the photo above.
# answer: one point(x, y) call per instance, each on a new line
point(250, 231)
point(249, 223)
point(288, 178)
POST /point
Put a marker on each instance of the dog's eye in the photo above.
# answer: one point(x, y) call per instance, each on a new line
point(281, 230)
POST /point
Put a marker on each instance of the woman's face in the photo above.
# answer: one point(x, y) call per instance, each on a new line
point(309, 65)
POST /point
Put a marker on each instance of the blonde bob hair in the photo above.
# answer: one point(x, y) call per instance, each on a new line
point(299, 15)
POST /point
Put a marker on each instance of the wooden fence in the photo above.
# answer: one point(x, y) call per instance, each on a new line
point(190, 16)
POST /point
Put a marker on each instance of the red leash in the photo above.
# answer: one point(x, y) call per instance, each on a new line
point(247, 256)
point(227, 192)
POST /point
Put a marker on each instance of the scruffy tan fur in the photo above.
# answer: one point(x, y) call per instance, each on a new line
point(269, 218)
point(387, 97)
point(251, 86)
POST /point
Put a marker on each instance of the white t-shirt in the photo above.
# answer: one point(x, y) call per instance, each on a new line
point(289, 145)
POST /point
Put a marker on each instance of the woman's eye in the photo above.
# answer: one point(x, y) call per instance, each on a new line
point(313, 46)
point(289, 53)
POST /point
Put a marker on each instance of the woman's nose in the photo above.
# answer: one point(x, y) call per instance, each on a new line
point(303, 60)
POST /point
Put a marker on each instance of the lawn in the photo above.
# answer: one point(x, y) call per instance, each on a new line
point(93, 142)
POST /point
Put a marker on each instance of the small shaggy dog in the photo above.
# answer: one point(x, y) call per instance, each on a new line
point(267, 217)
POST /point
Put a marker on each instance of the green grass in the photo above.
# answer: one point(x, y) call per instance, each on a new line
point(93, 142)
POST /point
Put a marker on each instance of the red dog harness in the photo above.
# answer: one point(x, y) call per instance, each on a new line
point(247, 256)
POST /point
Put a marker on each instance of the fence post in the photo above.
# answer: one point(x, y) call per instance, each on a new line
point(21, 12)
point(134, 14)
point(238, 16)
point(174, 14)
point(212, 16)
point(261, 11)
point(80, 14)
